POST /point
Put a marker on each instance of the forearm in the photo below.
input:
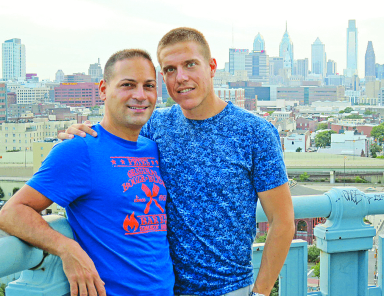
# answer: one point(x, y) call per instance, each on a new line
point(27, 224)
point(275, 251)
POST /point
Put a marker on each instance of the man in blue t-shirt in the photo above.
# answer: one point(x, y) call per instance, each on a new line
point(216, 160)
point(113, 193)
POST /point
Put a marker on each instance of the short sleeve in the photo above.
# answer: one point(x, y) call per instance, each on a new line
point(268, 163)
point(65, 174)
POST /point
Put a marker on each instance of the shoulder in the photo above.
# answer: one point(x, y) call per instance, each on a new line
point(247, 121)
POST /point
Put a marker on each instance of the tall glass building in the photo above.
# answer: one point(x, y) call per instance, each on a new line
point(286, 47)
point(13, 57)
point(370, 61)
point(318, 57)
point(258, 43)
point(237, 59)
point(351, 48)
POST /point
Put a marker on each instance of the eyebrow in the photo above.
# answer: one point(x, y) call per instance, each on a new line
point(133, 80)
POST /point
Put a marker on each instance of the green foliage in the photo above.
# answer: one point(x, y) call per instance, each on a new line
point(360, 180)
point(298, 149)
point(374, 149)
point(378, 133)
point(270, 112)
point(275, 289)
point(313, 253)
point(304, 177)
point(381, 157)
point(15, 189)
point(354, 116)
point(2, 289)
point(368, 112)
point(170, 102)
point(316, 270)
point(323, 139)
point(367, 221)
point(261, 239)
point(348, 110)
point(1, 193)
point(322, 126)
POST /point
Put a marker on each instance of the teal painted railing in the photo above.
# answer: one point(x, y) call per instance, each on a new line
point(344, 241)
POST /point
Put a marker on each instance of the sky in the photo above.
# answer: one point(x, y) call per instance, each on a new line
point(70, 35)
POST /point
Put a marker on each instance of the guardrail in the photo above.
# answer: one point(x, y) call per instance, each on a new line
point(344, 241)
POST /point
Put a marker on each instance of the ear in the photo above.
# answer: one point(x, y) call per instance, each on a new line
point(213, 66)
point(103, 90)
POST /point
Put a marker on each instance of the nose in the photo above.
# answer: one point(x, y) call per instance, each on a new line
point(181, 75)
point(139, 94)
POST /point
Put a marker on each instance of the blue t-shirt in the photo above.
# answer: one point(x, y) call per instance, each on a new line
point(213, 170)
point(115, 199)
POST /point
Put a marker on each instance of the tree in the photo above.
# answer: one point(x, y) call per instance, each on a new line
point(323, 139)
point(368, 112)
point(304, 177)
point(313, 253)
point(374, 149)
point(1, 193)
point(261, 239)
point(316, 270)
point(15, 189)
point(354, 116)
point(378, 132)
point(170, 102)
point(348, 110)
point(322, 126)
point(275, 289)
point(2, 289)
point(298, 149)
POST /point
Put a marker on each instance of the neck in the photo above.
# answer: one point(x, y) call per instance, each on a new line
point(123, 132)
point(205, 111)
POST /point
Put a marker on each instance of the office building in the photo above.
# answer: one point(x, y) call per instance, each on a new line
point(236, 96)
point(308, 94)
point(78, 94)
point(77, 78)
point(351, 49)
point(370, 61)
point(318, 57)
point(28, 95)
point(237, 59)
point(286, 48)
point(257, 66)
point(258, 43)
point(302, 67)
point(59, 76)
point(13, 57)
point(331, 68)
point(3, 102)
point(95, 71)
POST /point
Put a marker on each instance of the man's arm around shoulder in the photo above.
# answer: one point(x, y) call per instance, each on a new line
point(20, 217)
point(277, 205)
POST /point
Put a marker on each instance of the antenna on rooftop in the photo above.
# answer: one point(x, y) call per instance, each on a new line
point(233, 38)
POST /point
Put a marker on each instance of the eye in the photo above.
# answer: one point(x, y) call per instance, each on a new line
point(150, 85)
point(127, 84)
point(191, 64)
point(169, 70)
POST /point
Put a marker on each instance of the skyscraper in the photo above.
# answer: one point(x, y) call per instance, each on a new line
point(302, 67)
point(237, 59)
point(258, 43)
point(370, 61)
point(13, 56)
point(318, 57)
point(95, 71)
point(331, 68)
point(286, 48)
point(351, 48)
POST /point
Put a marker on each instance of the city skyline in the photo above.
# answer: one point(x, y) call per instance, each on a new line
point(73, 36)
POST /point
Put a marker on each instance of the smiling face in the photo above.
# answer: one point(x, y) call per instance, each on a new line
point(129, 96)
point(188, 75)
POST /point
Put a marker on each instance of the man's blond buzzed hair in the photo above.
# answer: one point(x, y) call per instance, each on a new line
point(184, 34)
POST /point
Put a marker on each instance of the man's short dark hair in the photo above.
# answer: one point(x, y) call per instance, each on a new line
point(123, 55)
point(184, 34)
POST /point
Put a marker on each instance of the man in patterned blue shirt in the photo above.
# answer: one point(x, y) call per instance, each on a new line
point(216, 160)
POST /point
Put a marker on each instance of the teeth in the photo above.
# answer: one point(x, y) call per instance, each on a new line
point(185, 90)
point(137, 107)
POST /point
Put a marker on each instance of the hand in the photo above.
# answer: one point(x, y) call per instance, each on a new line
point(81, 272)
point(80, 129)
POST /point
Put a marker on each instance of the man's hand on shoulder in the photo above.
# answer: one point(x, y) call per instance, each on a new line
point(81, 271)
point(80, 129)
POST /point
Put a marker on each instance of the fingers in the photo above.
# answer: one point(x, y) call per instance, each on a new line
point(79, 130)
point(92, 286)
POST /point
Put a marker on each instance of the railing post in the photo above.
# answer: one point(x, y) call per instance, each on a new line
point(344, 241)
point(47, 278)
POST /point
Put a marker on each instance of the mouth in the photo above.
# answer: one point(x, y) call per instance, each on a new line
point(138, 108)
point(185, 90)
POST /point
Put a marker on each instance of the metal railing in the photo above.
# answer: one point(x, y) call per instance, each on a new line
point(344, 240)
